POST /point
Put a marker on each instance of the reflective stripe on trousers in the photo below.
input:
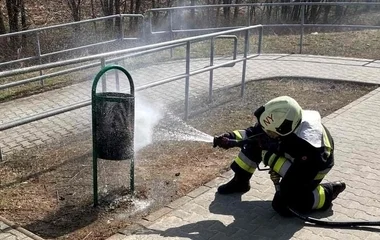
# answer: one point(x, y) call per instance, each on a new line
point(319, 197)
point(245, 163)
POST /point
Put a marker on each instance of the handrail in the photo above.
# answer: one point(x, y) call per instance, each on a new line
point(119, 52)
point(39, 55)
point(69, 24)
point(264, 4)
point(302, 25)
point(38, 78)
point(86, 103)
point(152, 47)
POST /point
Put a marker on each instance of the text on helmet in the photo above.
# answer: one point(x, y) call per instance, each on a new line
point(268, 120)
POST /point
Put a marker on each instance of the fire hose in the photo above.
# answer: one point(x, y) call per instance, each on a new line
point(275, 177)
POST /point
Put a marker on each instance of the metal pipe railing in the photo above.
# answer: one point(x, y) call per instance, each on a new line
point(74, 69)
point(301, 25)
point(69, 24)
point(212, 50)
point(246, 50)
point(172, 31)
point(266, 4)
point(187, 80)
point(75, 106)
point(211, 74)
point(36, 32)
point(45, 76)
point(119, 52)
point(150, 48)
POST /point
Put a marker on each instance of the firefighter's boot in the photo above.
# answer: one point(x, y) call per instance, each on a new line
point(337, 188)
point(235, 185)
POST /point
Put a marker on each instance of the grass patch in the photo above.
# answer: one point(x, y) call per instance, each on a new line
point(357, 44)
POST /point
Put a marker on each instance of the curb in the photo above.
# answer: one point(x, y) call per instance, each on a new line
point(16, 227)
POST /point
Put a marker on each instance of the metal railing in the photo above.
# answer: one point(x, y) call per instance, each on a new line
point(101, 59)
point(171, 32)
point(135, 51)
point(120, 36)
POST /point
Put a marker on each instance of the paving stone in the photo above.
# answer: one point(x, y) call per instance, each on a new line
point(198, 191)
point(154, 216)
point(179, 202)
point(215, 182)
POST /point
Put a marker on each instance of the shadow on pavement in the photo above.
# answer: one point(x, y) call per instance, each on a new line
point(252, 220)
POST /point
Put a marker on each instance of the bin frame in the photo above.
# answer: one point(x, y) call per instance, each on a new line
point(94, 123)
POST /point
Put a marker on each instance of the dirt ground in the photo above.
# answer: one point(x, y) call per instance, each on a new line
point(49, 190)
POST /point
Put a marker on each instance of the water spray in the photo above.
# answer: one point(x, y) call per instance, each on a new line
point(175, 129)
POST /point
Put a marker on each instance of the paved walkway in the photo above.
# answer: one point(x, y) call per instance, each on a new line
point(204, 215)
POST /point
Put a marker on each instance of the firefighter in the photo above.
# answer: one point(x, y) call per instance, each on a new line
point(296, 146)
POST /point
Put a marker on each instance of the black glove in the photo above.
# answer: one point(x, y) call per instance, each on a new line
point(224, 141)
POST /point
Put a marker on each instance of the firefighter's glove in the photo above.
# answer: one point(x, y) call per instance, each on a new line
point(223, 141)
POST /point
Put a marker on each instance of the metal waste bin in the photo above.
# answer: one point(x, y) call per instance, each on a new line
point(114, 125)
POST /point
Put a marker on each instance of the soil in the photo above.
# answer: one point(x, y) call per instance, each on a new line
point(48, 190)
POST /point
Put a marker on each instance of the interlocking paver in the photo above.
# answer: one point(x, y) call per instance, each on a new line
point(202, 214)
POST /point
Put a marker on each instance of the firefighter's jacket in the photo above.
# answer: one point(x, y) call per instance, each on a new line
point(310, 141)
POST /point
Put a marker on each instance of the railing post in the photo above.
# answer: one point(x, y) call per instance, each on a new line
point(104, 80)
point(302, 27)
point(117, 79)
point(187, 83)
point(143, 30)
point(246, 46)
point(121, 27)
point(235, 48)
point(211, 79)
point(249, 16)
point(247, 43)
point(150, 22)
point(38, 45)
point(171, 30)
point(261, 33)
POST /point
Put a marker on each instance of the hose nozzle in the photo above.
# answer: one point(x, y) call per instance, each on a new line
point(226, 143)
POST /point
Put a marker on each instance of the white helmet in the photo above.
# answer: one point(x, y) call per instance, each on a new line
point(281, 115)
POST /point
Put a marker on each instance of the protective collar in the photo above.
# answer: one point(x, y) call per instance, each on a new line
point(310, 128)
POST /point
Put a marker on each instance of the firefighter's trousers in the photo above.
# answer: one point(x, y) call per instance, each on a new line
point(300, 186)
